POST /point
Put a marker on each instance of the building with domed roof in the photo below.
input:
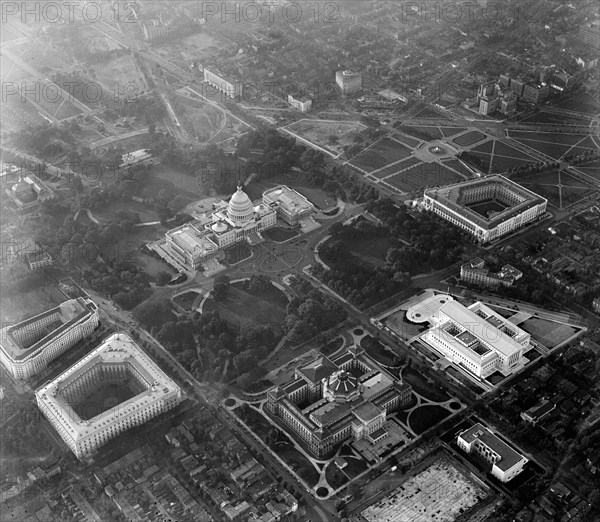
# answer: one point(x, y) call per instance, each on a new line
point(28, 192)
point(230, 222)
point(335, 399)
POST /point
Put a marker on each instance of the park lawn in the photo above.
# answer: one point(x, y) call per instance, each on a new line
point(298, 462)
point(552, 194)
point(469, 138)
point(451, 131)
point(174, 181)
point(335, 476)
point(434, 132)
point(422, 386)
point(398, 167)
point(280, 234)
point(543, 178)
point(425, 417)
point(553, 150)
point(459, 167)
point(382, 153)
point(431, 113)
point(504, 163)
point(370, 250)
point(548, 137)
point(375, 349)
point(502, 149)
point(237, 252)
point(484, 147)
point(423, 175)
point(240, 308)
point(332, 346)
point(186, 300)
point(411, 142)
point(109, 212)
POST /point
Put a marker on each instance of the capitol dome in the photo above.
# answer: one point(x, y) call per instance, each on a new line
point(240, 207)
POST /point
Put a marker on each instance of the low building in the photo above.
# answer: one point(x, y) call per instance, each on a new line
point(38, 260)
point(333, 400)
point(291, 206)
point(136, 158)
point(223, 83)
point(596, 305)
point(118, 360)
point(474, 272)
point(302, 103)
point(28, 347)
point(536, 413)
point(506, 462)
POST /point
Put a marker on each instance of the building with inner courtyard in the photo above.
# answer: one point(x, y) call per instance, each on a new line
point(75, 402)
point(487, 208)
point(475, 338)
point(26, 348)
point(339, 398)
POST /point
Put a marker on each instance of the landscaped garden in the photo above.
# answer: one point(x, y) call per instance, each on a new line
point(425, 417)
point(280, 234)
point(424, 386)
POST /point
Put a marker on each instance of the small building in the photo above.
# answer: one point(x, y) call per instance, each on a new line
point(349, 82)
point(538, 412)
point(38, 260)
point(475, 272)
point(302, 103)
point(596, 305)
point(136, 158)
point(506, 462)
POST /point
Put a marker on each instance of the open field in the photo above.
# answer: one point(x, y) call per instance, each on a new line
point(50, 99)
point(121, 73)
point(439, 493)
point(398, 167)
point(423, 175)
point(18, 114)
point(469, 138)
point(329, 135)
point(546, 332)
point(202, 120)
point(380, 154)
point(11, 72)
point(240, 308)
point(187, 49)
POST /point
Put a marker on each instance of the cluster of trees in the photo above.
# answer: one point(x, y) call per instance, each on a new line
point(419, 243)
point(17, 279)
point(45, 141)
point(125, 284)
point(208, 346)
point(311, 313)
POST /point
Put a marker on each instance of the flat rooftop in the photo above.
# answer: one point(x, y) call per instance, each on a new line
point(118, 348)
point(451, 196)
point(508, 456)
point(192, 239)
point(288, 198)
point(15, 342)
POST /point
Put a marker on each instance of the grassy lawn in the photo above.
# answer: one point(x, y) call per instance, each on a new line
point(384, 152)
point(335, 476)
point(298, 462)
point(240, 308)
point(484, 147)
point(109, 211)
point(398, 167)
point(451, 131)
point(280, 234)
point(238, 252)
point(423, 175)
point(375, 349)
point(371, 251)
point(459, 167)
point(469, 138)
point(423, 387)
point(546, 332)
point(332, 346)
point(186, 300)
point(423, 418)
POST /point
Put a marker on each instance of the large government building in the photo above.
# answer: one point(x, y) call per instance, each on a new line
point(332, 400)
point(230, 222)
point(28, 347)
point(487, 208)
point(475, 338)
point(79, 405)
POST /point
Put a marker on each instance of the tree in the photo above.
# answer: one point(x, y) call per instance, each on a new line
point(162, 278)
